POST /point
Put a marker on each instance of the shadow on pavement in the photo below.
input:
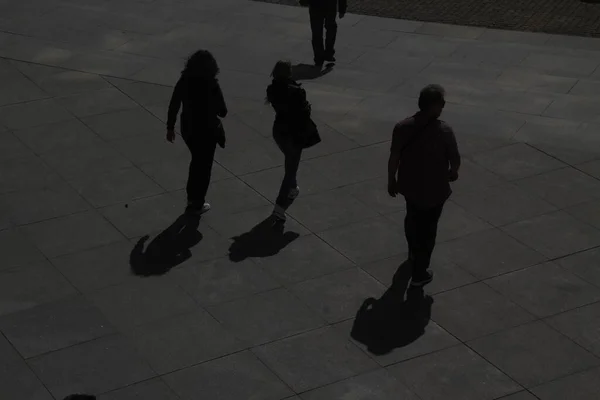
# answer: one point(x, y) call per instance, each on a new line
point(264, 240)
point(391, 322)
point(303, 72)
point(167, 250)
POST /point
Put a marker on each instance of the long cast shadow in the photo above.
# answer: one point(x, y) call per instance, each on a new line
point(167, 250)
point(264, 240)
point(392, 321)
point(303, 72)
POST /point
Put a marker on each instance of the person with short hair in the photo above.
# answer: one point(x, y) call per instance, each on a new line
point(199, 92)
point(323, 14)
point(424, 159)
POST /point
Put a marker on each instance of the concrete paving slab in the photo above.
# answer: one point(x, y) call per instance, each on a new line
point(90, 193)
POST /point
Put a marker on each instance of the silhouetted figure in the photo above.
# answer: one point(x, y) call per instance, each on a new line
point(167, 250)
point(199, 92)
point(80, 397)
point(323, 14)
point(293, 131)
point(391, 321)
point(260, 241)
point(424, 159)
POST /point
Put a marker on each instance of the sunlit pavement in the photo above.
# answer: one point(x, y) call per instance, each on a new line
point(85, 173)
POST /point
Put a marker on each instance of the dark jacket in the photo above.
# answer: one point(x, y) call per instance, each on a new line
point(427, 149)
point(342, 5)
point(202, 101)
point(288, 99)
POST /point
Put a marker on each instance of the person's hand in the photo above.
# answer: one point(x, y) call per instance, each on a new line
point(170, 135)
point(452, 176)
point(392, 188)
point(342, 14)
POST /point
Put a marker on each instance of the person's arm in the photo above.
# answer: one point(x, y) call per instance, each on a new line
point(174, 106)
point(342, 7)
point(394, 162)
point(453, 154)
point(220, 99)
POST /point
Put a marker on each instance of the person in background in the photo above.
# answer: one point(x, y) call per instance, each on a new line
point(199, 92)
point(424, 159)
point(323, 14)
point(292, 112)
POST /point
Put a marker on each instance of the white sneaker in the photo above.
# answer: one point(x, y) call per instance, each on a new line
point(193, 208)
point(294, 192)
point(205, 208)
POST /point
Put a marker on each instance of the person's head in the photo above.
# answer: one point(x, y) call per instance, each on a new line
point(282, 71)
point(431, 100)
point(202, 64)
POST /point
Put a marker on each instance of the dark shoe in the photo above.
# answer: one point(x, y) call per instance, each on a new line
point(421, 279)
point(294, 192)
point(330, 59)
point(319, 63)
point(278, 214)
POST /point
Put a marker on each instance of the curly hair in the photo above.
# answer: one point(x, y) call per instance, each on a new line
point(282, 70)
point(201, 64)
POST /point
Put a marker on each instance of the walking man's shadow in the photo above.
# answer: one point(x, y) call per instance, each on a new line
point(264, 240)
point(392, 321)
point(167, 250)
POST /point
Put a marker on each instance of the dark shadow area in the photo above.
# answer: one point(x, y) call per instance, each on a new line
point(167, 250)
point(264, 240)
point(80, 397)
point(392, 321)
point(304, 72)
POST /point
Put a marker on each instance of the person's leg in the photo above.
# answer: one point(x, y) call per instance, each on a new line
point(289, 183)
point(331, 27)
point(427, 223)
point(204, 167)
point(191, 186)
point(410, 228)
point(316, 25)
point(430, 226)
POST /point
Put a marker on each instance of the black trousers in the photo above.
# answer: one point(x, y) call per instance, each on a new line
point(202, 149)
point(323, 17)
point(292, 153)
point(420, 227)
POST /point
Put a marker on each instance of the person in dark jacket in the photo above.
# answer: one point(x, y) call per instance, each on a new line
point(292, 110)
point(424, 159)
point(199, 92)
point(322, 15)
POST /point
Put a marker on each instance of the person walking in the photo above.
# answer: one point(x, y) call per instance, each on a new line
point(323, 14)
point(424, 159)
point(293, 131)
point(199, 92)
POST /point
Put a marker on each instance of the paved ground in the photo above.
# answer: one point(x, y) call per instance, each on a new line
point(569, 17)
point(244, 313)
